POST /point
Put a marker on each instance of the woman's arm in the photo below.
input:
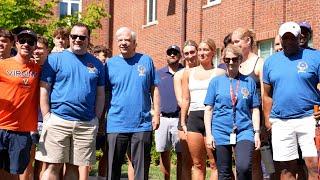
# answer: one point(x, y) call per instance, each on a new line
point(185, 99)
point(207, 123)
point(256, 127)
point(177, 83)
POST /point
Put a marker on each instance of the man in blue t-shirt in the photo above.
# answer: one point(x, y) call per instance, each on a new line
point(72, 96)
point(131, 79)
point(290, 91)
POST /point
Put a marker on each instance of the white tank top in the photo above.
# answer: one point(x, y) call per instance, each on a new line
point(198, 91)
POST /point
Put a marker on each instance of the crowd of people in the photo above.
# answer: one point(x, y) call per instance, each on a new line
point(58, 106)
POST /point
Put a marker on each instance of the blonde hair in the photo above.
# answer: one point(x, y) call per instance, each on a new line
point(210, 43)
point(236, 50)
point(190, 43)
point(247, 33)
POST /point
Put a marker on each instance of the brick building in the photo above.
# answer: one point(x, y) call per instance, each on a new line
point(160, 23)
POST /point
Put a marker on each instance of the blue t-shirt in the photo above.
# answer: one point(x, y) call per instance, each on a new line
point(168, 98)
point(294, 83)
point(130, 81)
point(74, 81)
point(218, 96)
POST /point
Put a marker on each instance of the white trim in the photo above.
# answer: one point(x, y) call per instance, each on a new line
point(210, 4)
point(150, 24)
point(154, 11)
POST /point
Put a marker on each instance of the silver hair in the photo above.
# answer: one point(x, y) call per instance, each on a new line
point(126, 29)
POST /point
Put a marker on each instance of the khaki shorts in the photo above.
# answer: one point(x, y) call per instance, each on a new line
point(64, 141)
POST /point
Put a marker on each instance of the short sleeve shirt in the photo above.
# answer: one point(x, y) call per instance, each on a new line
point(294, 82)
point(218, 96)
point(19, 97)
point(74, 80)
point(130, 82)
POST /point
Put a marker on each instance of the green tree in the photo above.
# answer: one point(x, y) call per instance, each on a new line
point(38, 15)
point(27, 13)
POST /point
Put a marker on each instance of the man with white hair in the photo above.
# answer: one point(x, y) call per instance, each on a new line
point(290, 91)
point(131, 79)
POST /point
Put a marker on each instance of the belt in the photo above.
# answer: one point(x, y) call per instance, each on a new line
point(170, 114)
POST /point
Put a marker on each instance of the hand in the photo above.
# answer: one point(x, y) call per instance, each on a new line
point(257, 142)
point(155, 122)
point(210, 142)
point(316, 115)
point(184, 129)
point(267, 124)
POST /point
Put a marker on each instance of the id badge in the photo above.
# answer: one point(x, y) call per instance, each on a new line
point(233, 138)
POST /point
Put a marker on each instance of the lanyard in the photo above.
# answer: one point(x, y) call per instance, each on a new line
point(234, 99)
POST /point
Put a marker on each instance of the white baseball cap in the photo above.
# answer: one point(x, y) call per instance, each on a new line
point(290, 27)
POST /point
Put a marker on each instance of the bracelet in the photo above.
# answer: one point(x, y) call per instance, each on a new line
point(257, 131)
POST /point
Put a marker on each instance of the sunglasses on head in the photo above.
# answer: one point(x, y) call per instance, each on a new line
point(169, 53)
point(30, 42)
point(74, 37)
point(227, 60)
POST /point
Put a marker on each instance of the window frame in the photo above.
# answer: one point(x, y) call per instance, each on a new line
point(271, 50)
point(154, 19)
point(69, 6)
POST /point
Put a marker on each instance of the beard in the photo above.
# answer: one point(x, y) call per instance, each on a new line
point(172, 62)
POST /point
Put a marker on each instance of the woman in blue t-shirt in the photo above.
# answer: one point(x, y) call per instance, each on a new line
point(232, 117)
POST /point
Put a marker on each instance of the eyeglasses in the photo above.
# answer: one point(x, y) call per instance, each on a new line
point(74, 37)
point(227, 60)
point(30, 42)
point(175, 53)
point(190, 52)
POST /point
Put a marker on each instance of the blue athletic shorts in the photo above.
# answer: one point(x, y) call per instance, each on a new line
point(14, 151)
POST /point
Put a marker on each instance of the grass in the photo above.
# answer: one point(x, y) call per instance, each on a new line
point(154, 172)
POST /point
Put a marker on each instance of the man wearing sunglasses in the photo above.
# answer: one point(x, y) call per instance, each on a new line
point(166, 137)
point(19, 98)
point(290, 80)
point(71, 98)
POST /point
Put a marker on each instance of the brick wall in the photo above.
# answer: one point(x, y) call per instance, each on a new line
point(202, 21)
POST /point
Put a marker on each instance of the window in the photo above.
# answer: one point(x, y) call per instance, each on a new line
point(69, 7)
point(265, 48)
point(151, 11)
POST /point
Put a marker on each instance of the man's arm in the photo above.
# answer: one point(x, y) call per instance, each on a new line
point(267, 103)
point(100, 101)
point(45, 89)
point(156, 107)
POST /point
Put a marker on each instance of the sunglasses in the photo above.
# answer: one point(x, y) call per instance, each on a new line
point(190, 52)
point(227, 60)
point(175, 53)
point(74, 37)
point(30, 42)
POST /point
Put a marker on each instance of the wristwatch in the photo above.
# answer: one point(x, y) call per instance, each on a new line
point(257, 131)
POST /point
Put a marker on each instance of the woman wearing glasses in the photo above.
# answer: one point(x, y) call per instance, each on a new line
point(194, 88)
point(232, 117)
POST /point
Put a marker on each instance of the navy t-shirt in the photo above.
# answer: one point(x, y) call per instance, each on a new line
point(168, 98)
